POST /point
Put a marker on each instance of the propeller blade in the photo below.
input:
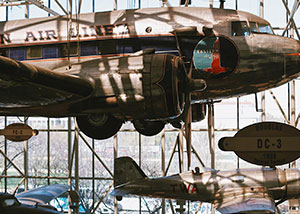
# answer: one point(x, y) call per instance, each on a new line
point(188, 121)
point(189, 74)
point(189, 85)
point(188, 133)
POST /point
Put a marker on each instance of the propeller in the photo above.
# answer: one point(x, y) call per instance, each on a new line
point(188, 122)
point(188, 86)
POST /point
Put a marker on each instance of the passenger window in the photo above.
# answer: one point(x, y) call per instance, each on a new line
point(264, 28)
point(107, 47)
point(240, 29)
point(34, 52)
point(253, 27)
point(3, 52)
point(88, 48)
point(127, 46)
point(73, 49)
point(50, 52)
point(17, 53)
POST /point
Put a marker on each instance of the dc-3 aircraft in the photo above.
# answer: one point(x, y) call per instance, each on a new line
point(236, 191)
point(150, 66)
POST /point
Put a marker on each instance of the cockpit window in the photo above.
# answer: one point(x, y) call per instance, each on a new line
point(260, 28)
point(264, 28)
point(253, 27)
point(240, 28)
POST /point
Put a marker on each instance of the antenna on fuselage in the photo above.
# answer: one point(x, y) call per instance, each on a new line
point(185, 2)
point(222, 4)
point(70, 30)
point(77, 29)
point(164, 3)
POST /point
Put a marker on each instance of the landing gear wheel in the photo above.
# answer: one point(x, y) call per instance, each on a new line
point(119, 198)
point(99, 126)
point(176, 125)
point(148, 128)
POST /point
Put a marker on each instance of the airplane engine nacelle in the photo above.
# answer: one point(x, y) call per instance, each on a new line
point(143, 87)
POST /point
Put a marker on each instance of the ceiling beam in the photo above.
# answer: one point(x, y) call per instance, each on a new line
point(10, 4)
point(43, 7)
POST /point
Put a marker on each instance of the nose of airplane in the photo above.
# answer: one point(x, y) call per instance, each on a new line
point(292, 56)
point(293, 46)
point(297, 53)
point(297, 48)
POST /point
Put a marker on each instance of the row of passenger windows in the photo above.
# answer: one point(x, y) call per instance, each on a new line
point(88, 48)
point(241, 28)
point(63, 50)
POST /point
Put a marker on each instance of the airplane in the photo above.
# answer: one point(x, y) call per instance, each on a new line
point(33, 201)
point(151, 66)
point(234, 191)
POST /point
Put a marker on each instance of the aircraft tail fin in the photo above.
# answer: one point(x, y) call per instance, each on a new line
point(126, 170)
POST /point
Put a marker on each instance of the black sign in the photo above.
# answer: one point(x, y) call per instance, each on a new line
point(266, 143)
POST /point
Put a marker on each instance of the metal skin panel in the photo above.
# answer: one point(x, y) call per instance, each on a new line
point(163, 20)
point(234, 189)
point(260, 63)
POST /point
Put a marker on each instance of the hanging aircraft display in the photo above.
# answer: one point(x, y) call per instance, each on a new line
point(150, 66)
point(234, 191)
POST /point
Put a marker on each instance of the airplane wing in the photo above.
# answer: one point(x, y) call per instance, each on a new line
point(255, 202)
point(42, 195)
point(119, 191)
point(24, 85)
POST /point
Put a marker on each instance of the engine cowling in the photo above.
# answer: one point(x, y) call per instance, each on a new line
point(141, 87)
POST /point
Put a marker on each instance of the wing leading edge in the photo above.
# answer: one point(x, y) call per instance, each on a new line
point(24, 85)
point(256, 202)
point(42, 195)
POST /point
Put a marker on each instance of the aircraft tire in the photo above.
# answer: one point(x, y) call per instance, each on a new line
point(99, 126)
point(148, 128)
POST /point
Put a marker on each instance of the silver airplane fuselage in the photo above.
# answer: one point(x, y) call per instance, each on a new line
point(133, 64)
point(216, 185)
point(256, 58)
point(243, 189)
